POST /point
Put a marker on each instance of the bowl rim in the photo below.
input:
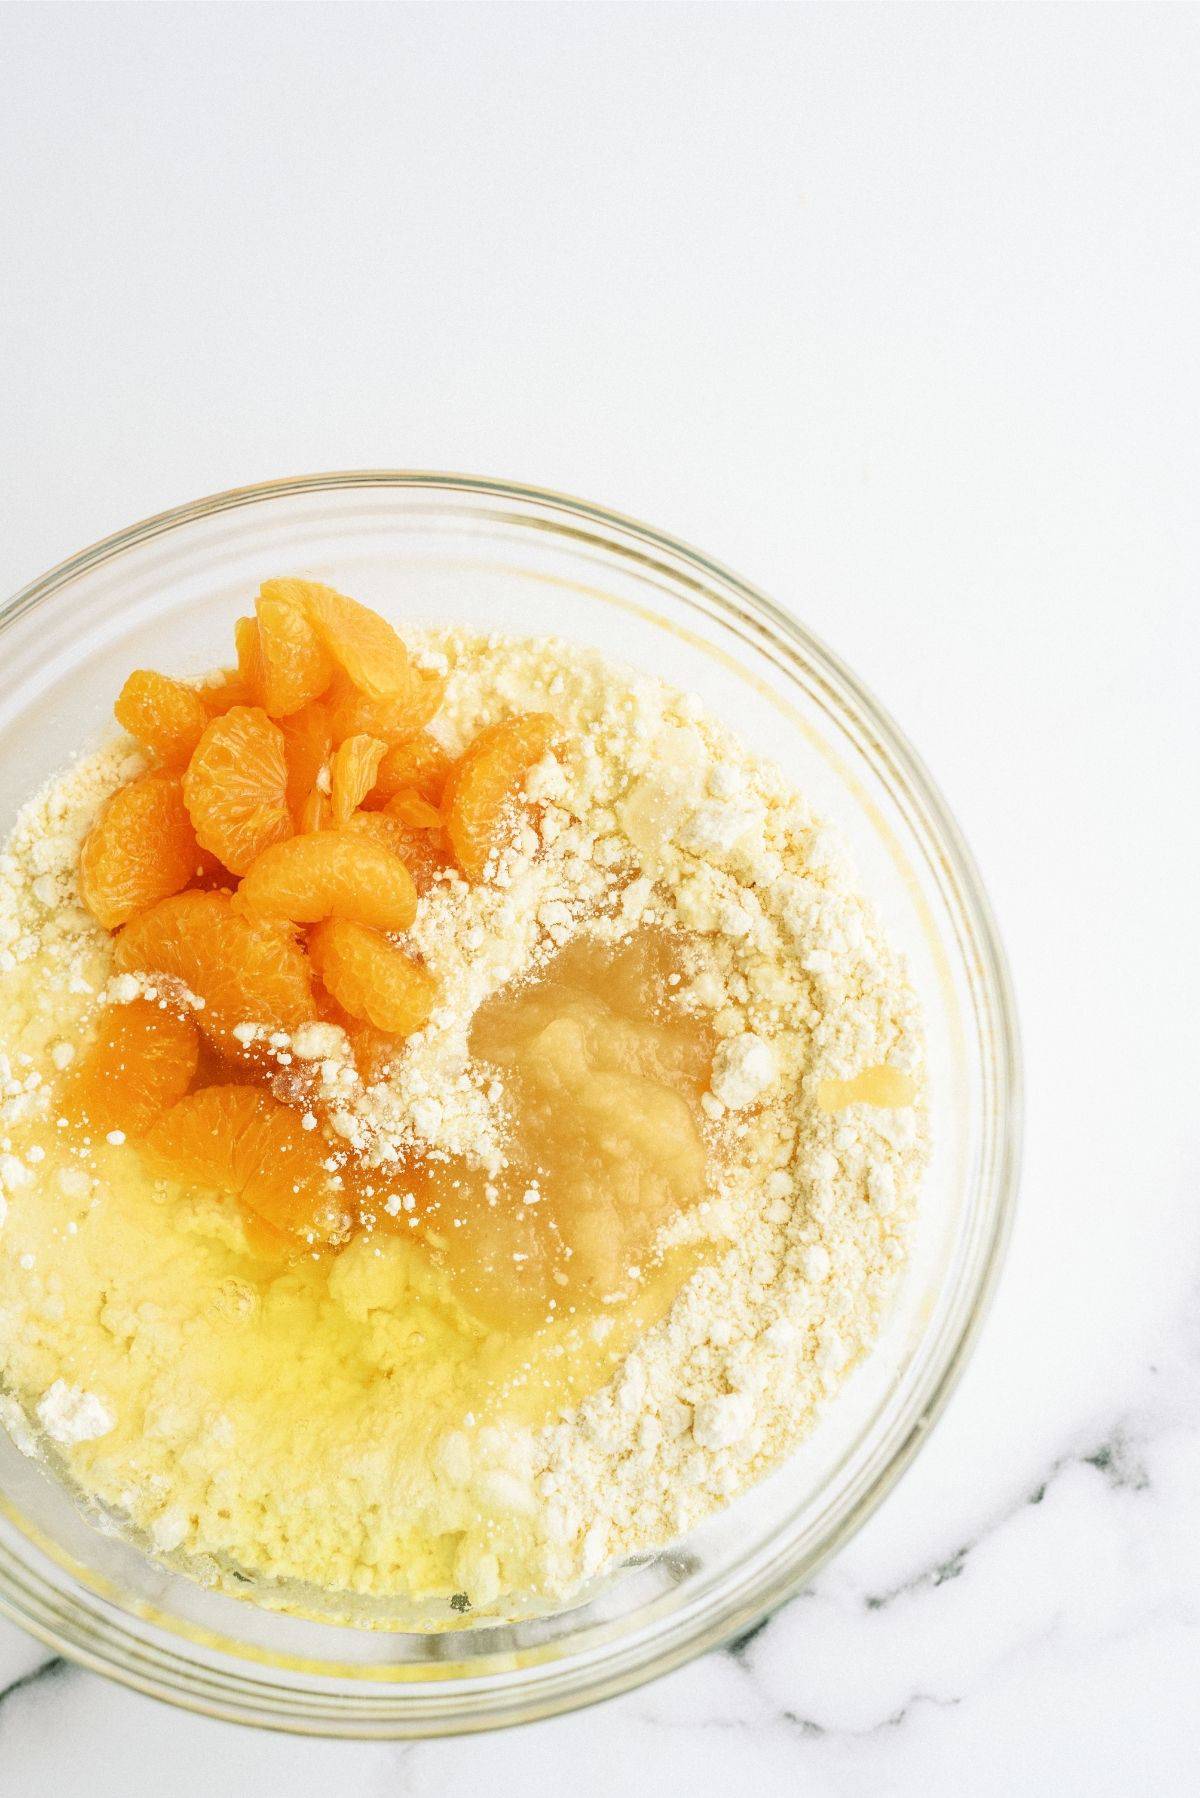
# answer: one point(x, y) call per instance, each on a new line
point(635, 1667)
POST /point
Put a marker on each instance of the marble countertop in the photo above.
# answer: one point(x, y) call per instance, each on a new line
point(894, 311)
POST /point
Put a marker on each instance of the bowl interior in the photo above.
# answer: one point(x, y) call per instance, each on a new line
point(433, 550)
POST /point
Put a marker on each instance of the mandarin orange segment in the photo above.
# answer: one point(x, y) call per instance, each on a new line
point(330, 873)
point(388, 831)
point(141, 849)
point(226, 692)
point(142, 1060)
point(374, 1050)
point(246, 971)
point(422, 851)
point(315, 814)
point(354, 713)
point(352, 773)
point(266, 1244)
point(295, 666)
point(414, 811)
point(165, 715)
point(372, 979)
point(486, 781)
point(215, 1068)
point(236, 787)
point(284, 1177)
point(416, 763)
point(240, 1141)
point(307, 746)
point(249, 658)
point(195, 1142)
point(359, 640)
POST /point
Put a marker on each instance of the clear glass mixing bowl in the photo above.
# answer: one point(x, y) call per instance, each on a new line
point(443, 547)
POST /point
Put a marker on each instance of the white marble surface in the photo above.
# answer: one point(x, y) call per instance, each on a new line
point(895, 311)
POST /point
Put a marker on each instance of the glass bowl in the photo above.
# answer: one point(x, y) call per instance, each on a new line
point(429, 547)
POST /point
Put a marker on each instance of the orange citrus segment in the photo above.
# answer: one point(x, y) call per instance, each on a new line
point(266, 1244)
point(484, 783)
point(414, 811)
point(216, 1068)
point(245, 970)
point(236, 787)
point(284, 1177)
point(142, 1060)
point(315, 814)
point(294, 664)
point(166, 715)
point(330, 873)
point(422, 852)
point(195, 1142)
point(371, 978)
point(240, 1141)
point(249, 658)
point(354, 713)
point(352, 773)
point(141, 848)
point(374, 1050)
point(416, 763)
point(359, 640)
point(307, 746)
point(388, 831)
point(225, 693)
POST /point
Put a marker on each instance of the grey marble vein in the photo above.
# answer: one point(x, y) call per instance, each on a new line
point(809, 1726)
point(53, 1668)
point(1115, 1457)
point(1118, 1457)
